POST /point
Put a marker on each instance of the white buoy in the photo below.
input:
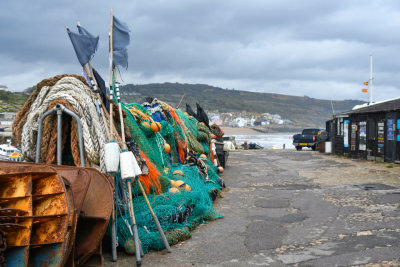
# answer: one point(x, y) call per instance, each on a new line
point(126, 164)
point(213, 147)
point(111, 151)
point(136, 167)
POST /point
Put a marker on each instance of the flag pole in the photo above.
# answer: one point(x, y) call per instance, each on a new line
point(370, 81)
point(121, 118)
point(111, 70)
point(112, 130)
point(138, 246)
point(103, 110)
point(155, 219)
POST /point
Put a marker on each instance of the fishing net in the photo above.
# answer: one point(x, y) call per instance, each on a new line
point(191, 181)
point(172, 148)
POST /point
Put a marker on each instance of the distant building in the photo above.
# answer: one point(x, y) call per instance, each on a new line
point(4, 87)
point(7, 116)
point(240, 122)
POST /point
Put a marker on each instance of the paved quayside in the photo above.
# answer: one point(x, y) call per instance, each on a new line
point(295, 208)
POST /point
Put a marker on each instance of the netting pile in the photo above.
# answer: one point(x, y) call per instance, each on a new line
point(189, 182)
point(177, 160)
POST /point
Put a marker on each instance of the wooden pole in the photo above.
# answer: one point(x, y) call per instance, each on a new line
point(134, 226)
point(103, 109)
point(121, 118)
point(111, 70)
point(181, 100)
point(155, 219)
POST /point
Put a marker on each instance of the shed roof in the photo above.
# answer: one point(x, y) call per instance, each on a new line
point(384, 106)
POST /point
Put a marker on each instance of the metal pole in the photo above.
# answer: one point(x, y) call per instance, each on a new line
point(370, 82)
point(60, 108)
point(39, 135)
point(80, 131)
point(59, 136)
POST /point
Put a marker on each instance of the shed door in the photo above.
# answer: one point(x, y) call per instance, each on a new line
point(371, 137)
point(390, 143)
point(353, 138)
point(381, 139)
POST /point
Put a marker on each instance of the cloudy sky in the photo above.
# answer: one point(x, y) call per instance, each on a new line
point(316, 48)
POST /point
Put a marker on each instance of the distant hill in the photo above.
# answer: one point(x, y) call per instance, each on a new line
point(304, 111)
point(11, 101)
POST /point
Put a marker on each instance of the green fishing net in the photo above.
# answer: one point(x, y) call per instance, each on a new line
point(178, 209)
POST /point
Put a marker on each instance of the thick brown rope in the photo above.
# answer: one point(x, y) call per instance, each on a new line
point(49, 150)
point(52, 148)
point(53, 80)
point(22, 115)
point(46, 134)
point(75, 143)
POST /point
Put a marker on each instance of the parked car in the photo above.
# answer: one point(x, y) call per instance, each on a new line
point(309, 138)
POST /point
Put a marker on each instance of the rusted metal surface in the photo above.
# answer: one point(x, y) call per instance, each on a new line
point(15, 185)
point(96, 212)
point(19, 233)
point(69, 215)
point(49, 204)
point(47, 185)
point(36, 214)
point(7, 212)
point(21, 206)
point(49, 229)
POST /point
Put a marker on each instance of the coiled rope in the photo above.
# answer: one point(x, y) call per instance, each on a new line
point(72, 92)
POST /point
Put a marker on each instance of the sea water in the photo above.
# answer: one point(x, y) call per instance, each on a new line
point(268, 141)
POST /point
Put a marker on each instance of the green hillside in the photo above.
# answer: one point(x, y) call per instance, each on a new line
point(301, 110)
point(12, 102)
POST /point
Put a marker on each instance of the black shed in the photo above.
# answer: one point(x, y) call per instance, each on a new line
point(370, 132)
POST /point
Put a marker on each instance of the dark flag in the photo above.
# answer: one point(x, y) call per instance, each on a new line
point(82, 45)
point(94, 40)
point(190, 111)
point(102, 88)
point(120, 58)
point(202, 115)
point(120, 42)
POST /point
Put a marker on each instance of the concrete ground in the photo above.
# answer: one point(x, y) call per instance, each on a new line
point(295, 208)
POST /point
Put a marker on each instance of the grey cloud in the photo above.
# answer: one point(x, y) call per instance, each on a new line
point(314, 48)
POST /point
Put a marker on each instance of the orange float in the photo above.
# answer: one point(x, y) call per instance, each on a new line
point(167, 148)
point(155, 126)
point(174, 190)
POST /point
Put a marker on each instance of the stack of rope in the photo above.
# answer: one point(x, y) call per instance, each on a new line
point(73, 92)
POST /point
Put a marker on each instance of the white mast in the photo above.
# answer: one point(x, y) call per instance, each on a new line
point(370, 82)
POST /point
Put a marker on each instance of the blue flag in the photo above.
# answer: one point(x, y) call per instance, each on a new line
point(83, 46)
point(93, 39)
point(120, 42)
